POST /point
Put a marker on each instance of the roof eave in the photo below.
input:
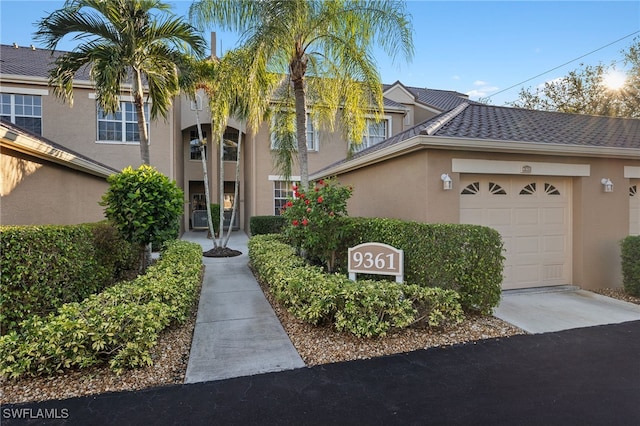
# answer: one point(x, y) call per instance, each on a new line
point(38, 149)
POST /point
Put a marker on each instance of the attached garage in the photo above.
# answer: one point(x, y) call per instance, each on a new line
point(534, 176)
point(533, 216)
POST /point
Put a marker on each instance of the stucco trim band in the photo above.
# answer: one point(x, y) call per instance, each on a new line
point(466, 165)
point(632, 172)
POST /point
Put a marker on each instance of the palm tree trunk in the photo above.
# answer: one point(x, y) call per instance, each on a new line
point(234, 208)
point(221, 188)
point(301, 132)
point(207, 195)
point(138, 101)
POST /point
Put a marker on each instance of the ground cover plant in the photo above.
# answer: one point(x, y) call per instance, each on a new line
point(365, 308)
point(118, 326)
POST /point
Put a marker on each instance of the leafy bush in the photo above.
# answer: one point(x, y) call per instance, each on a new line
point(464, 258)
point(364, 308)
point(631, 265)
point(313, 220)
point(260, 225)
point(118, 326)
point(44, 267)
point(215, 217)
point(143, 204)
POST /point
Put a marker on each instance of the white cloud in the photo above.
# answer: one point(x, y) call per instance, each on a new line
point(455, 77)
point(479, 83)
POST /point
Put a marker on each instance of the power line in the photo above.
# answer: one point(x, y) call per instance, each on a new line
point(560, 66)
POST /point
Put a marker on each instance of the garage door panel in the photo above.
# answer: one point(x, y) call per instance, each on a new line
point(527, 245)
point(554, 244)
point(532, 214)
point(554, 216)
point(499, 217)
point(526, 216)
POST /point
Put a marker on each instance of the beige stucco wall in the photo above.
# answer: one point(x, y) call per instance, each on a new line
point(410, 188)
point(36, 192)
point(75, 127)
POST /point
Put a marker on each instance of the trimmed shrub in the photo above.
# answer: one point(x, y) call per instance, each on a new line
point(261, 225)
point(44, 267)
point(364, 308)
point(118, 326)
point(464, 258)
point(631, 265)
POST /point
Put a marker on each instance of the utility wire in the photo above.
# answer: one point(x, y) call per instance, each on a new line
point(560, 66)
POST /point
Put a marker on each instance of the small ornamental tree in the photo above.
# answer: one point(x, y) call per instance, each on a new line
point(144, 205)
point(313, 220)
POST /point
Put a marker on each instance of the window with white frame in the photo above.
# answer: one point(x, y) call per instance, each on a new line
point(375, 132)
point(22, 110)
point(312, 136)
point(282, 192)
point(122, 125)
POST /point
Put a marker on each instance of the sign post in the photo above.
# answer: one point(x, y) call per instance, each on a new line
point(376, 258)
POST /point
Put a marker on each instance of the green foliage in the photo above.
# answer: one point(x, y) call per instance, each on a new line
point(46, 266)
point(260, 225)
point(215, 217)
point(464, 258)
point(118, 326)
point(631, 265)
point(313, 220)
point(143, 204)
point(364, 308)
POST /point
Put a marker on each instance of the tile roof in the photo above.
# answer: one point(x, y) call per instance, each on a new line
point(505, 124)
point(28, 62)
point(442, 100)
point(479, 121)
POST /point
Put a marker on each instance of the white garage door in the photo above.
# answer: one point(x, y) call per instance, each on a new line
point(634, 207)
point(532, 214)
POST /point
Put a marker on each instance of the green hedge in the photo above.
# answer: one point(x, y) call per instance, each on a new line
point(631, 265)
point(261, 225)
point(365, 308)
point(118, 326)
point(464, 258)
point(46, 266)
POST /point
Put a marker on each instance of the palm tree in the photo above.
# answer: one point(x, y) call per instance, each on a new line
point(236, 85)
point(330, 41)
point(138, 42)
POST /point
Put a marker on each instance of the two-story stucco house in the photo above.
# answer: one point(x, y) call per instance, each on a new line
point(562, 189)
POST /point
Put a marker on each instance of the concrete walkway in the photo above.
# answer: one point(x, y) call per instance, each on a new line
point(544, 310)
point(236, 333)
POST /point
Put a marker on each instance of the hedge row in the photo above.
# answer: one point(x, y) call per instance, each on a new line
point(46, 266)
point(261, 225)
point(631, 265)
point(365, 308)
point(118, 326)
point(464, 258)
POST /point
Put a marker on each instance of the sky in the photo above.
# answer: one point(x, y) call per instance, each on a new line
point(479, 48)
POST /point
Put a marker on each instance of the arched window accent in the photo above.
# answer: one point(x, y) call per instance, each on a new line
point(496, 189)
point(550, 189)
point(471, 189)
point(529, 189)
point(633, 191)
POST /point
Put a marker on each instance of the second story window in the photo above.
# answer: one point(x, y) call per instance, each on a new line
point(376, 132)
point(195, 152)
point(312, 136)
point(121, 126)
point(22, 110)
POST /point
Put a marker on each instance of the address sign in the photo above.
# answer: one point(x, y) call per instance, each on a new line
point(376, 258)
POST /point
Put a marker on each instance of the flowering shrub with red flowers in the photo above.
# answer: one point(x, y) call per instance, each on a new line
point(313, 220)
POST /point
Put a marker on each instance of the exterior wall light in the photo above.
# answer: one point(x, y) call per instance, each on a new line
point(607, 184)
point(447, 183)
